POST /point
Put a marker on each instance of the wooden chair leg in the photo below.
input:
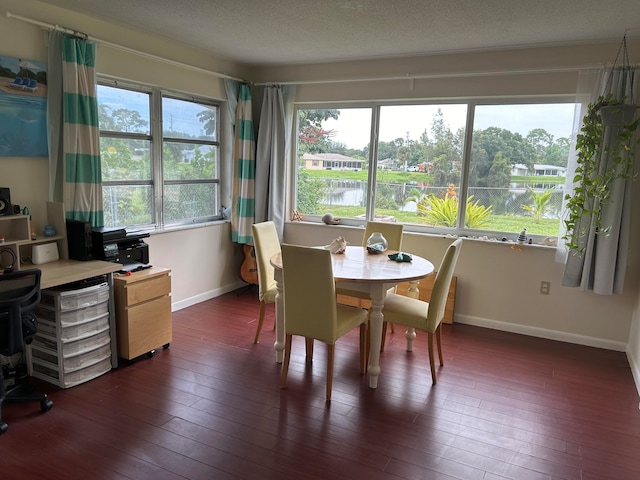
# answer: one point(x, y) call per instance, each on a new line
point(393, 330)
point(308, 344)
point(330, 353)
point(384, 335)
point(431, 359)
point(260, 321)
point(285, 362)
point(364, 357)
point(439, 342)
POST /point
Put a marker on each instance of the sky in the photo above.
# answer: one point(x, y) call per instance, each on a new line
point(353, 126)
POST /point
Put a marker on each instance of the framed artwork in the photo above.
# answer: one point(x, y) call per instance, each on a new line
point(23, 108)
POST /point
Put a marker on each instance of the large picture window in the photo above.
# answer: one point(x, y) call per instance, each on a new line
point(460, 168)
point(160, 157)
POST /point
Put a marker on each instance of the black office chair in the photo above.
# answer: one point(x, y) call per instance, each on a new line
point(19, 296)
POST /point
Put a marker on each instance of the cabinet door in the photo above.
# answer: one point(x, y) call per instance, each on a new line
point(147, 326)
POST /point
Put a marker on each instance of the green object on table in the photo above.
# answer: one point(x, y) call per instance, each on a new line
point(400, 257)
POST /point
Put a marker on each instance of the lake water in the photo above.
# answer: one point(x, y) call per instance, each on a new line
point(503, 200)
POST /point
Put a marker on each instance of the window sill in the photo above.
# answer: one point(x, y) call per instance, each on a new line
point(175, 228)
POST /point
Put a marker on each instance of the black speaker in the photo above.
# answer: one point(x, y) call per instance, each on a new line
point(79, 240)
point(5, 202)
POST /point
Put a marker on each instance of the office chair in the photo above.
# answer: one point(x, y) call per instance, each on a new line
point(19, 297)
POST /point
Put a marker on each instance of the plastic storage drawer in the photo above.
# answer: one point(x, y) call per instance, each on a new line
point(71, 317)
point(77, 331)
point(75, 299)
point(75, 362)
point(51, 373)
point(74, 347)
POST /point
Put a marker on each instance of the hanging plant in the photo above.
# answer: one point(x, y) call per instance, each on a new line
point(593, 177)
point(605, 150)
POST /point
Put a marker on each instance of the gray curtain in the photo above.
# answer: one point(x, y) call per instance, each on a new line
point(273, 150)
point(602, 268)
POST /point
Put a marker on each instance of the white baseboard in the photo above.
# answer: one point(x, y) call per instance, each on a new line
point(635, 370)
point(541, 333)
point(187, 302)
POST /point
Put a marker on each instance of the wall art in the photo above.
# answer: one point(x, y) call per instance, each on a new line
point(23, 108)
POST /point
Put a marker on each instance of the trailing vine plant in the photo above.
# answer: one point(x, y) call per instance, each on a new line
point(592, 181)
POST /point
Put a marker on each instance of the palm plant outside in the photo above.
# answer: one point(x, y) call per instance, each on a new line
point(540, 205)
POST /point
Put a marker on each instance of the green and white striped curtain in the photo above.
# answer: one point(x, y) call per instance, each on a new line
point(74, 137)
point(244, 170)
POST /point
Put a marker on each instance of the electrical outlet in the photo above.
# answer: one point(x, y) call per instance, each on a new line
point(545, 287)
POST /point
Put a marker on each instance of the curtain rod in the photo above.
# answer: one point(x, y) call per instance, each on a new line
point(426, 76)
point(48, 26)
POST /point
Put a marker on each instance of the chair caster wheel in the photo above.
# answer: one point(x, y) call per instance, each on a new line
point(165, 346)
point(3, 427)
point(46, 405)
point(151, 353)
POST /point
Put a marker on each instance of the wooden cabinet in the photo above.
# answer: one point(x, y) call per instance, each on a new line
point(143, 311)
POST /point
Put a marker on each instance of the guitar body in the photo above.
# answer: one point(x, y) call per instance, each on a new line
point(249, 267)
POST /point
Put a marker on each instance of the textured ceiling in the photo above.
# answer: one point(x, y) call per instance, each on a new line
point(267, 32)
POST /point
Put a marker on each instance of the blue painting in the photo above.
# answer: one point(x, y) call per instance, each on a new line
point(23, 108)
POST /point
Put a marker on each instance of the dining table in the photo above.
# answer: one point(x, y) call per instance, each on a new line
point(372, 273)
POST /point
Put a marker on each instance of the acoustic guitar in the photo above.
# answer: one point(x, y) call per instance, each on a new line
point(249, 267)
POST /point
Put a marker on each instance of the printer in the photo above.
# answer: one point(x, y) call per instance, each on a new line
point(120, 246)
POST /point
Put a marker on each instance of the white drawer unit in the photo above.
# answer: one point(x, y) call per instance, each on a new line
point(73, 343)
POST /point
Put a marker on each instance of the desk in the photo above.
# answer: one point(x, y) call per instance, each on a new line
point(358, 270)
point(67, 271)
point(62, 272)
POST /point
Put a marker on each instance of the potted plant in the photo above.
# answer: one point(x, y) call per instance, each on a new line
point(593, 177)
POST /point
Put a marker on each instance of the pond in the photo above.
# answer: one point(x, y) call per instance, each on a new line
point(504, 201)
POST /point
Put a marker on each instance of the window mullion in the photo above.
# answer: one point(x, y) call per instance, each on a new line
point(373, 162)
point(466, 165)
point(156, 149)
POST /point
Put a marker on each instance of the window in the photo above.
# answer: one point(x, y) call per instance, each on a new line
point(471, 168)
point(160, 157)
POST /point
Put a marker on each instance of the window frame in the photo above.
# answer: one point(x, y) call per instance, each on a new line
point(157, 140)
point(375, 106)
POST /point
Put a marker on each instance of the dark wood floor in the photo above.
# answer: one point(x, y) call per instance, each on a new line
point(505, 407)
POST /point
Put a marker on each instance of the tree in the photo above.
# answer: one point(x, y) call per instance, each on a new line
point(208, 118)
point(313, 138)
point(499, 173)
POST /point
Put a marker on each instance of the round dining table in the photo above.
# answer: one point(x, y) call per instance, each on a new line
point(374, 274)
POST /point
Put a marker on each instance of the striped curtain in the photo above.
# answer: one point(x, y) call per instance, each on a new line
point(244, 170)
point(75, 157)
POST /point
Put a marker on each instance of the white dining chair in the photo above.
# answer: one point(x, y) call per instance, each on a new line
point(426, 316)
point(311, 310)
point(266, 244)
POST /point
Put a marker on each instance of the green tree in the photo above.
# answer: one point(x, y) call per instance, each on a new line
point(208, 118)
point(499, 173)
